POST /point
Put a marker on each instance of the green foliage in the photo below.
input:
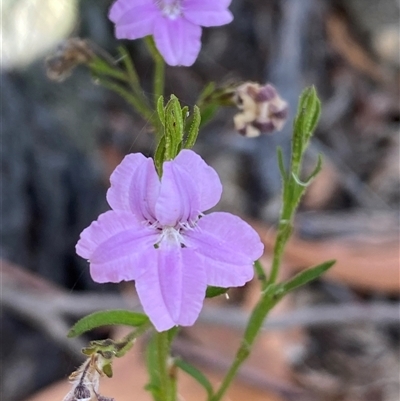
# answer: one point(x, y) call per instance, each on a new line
point(106, 318)
point(152, 363)
point(305, 122)
point(194, 128)
point(196, 374)
point(293, 188)
point(173, 119)
point(303, 278)
point(212, 292)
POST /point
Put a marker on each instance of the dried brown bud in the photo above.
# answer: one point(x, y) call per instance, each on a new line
point(262, 109)
point(102, 398)
point(82, 393)
point(67, 56)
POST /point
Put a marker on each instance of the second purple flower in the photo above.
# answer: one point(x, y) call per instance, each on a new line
point(175, 24)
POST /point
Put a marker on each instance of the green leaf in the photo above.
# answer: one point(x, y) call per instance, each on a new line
point(185, 113)
point(106, 318)
point(160, 110)
point(281, 163)
point(194, 128)
point(212, 292)
point(100, 67)
point(208, 112)
point(207, 91)
point(196, 374)
point(260, 272)
point(305, 122)
point(174, 127)
point(304, 277)
point(316, 170)
point(309, 111)
point(159, 155)
point(107, 370)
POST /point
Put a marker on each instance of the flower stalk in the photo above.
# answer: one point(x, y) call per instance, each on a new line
point(293, 189)
point(159, 69)
point(167, 386)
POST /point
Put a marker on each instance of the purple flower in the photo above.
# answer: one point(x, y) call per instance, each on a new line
point(175, 24)
point(157, 235)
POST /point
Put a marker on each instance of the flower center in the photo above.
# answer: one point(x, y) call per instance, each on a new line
point(171, 9)
point(170, 236)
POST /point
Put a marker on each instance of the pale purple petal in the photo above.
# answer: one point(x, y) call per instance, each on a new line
point(229, 245)
point(207, 12)
point(177, 40)
point(133, 21)
point(120, 7)
point(134, 187)
point(206, 178)
point(172, 288)
point(114, 245)
point(121, 179)
point(179, 199)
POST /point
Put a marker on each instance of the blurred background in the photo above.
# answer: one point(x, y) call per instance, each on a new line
point(337, 339)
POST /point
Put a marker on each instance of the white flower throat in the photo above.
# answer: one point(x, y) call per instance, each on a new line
point(171, 9)
point(171, 236)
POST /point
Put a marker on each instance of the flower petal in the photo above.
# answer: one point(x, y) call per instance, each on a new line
point(134, 187)
point(114, 245)
point(229, 245)
point(206, 178)
point(179, 198)
point(133, 21)
point(207, 12)
point(172, 287)
point(177, 40)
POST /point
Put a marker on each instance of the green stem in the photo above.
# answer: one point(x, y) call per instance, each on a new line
point(167, 386)
point(130, 98)
point(264, 305)
point(260, 273)
point(159, 70)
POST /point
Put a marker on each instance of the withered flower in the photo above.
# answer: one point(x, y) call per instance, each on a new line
point(262, 109)
point(67, 56)
point(85, 381)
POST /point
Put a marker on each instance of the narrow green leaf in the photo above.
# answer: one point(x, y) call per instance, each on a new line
point(160, 109)
point(178, 126)
point(106, 318)
point(185, 113)
point(258, 268)
point(212, 292)
point(206, 92)
point(159, 155)
point(130, 68)
point(316, 170)
point(304, 277)
point(99, 66)
point(173, 127)
point(281, 163)
point(312, 106)
point(172, 333)
point(208, 112)
point(196, 374)
point(128, 96)
point(107, 370)
point(194, 128)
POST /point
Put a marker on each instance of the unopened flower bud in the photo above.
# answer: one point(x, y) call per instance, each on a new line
point(262, 109)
